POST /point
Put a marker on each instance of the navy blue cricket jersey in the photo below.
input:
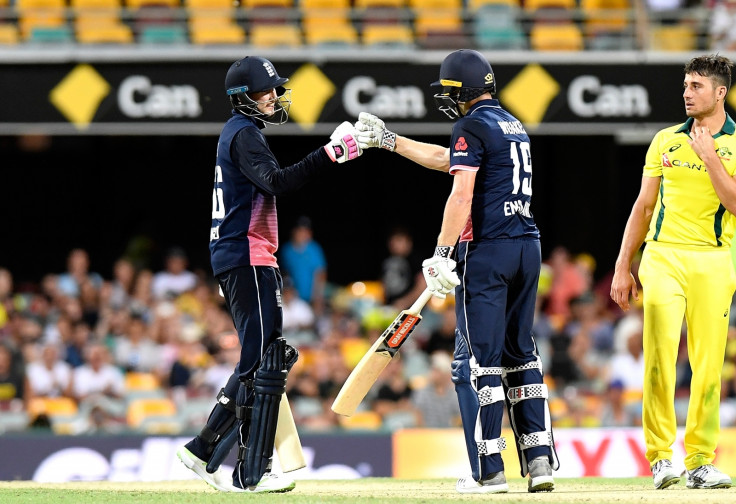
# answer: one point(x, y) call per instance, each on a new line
point(493, 143)
point(248, 178)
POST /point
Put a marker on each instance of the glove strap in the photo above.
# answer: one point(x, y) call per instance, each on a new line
point(444, 252)
point(388, 141)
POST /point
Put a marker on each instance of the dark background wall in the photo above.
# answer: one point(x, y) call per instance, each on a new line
point(112, 194)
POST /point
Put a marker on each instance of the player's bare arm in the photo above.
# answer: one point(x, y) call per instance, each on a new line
point(623, 283)
point(434, 157)
point(372, 132)
point(457, 208)
point(702, 142)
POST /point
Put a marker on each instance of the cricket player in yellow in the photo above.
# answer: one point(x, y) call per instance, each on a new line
point(685, 213)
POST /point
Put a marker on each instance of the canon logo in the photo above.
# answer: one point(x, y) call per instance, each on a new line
point(589, 98)
point(138, 97)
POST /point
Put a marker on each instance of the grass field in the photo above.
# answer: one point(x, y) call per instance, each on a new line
point(371, 490)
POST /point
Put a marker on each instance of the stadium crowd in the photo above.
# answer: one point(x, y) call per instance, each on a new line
point(148, 351)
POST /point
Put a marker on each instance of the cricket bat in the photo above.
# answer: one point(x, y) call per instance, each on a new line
point(377, 358)
point(287, 442)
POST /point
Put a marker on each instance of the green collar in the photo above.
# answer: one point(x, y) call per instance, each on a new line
point(728, 128)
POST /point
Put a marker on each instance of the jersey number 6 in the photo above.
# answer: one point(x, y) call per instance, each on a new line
point(218, 203)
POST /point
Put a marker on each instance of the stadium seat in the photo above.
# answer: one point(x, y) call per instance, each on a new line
point(382, 11)
point(497, 26)
point(339, 35)
point(307, 5)
point(532, 5)
point(387, 35)
point(361, 420)
point(51, 35)
point(13, 421)
point(104, 34)
point(679, 37)
point(608, 24)
point(141, 410)
point(51, 407)
point(474, 5)
point(275, 35)
point(213, 34)
point(440, 28)
point(99, 21)
point(250, 4)
point(164, 34)
point(8, 34)
point(141, 382)
point(39, 14)
point(138, 4)
point(555, 37)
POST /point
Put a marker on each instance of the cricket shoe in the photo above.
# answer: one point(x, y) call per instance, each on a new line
point(218, 480)
point(270, 483)
point(495, 484)
point(540, 475)
point(664, 474)
point(707, 476)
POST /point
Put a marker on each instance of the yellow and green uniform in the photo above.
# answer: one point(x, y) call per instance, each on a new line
point(686, 271)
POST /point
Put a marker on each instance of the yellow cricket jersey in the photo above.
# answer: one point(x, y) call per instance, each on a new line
point(688, 211)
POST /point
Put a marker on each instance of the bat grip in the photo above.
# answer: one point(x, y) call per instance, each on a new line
point(422, 300)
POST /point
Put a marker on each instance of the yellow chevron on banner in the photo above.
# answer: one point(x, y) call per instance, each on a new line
point(310, 90)
point(529, 94)
point(79, 94)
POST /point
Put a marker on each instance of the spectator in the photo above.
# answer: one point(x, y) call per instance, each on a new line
point(12, 381)
point(175, 279)
point(98, 384)
point(442, 337)
point(568, 282)
point(122, 284)
point(393, 399)
point(436, 402)
point(48, 375)
point(77, 275)
point(299, 319)
point(401, 271)
point(616, 412)
point(302, 259)
point(134, 350)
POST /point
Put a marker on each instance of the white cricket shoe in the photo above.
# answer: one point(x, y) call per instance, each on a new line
point(271, 483)
point(664, 474)
point(219, 480)
point(495, 484)
point(707, 476)
point(540, 475)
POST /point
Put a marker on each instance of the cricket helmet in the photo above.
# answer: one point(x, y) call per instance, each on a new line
point(464, 75)
point(254, 74)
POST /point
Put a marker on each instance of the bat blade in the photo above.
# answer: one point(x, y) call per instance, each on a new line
point(287, 442)
point(376, 359)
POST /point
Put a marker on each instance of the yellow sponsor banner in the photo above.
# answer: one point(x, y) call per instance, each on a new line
point(441, 453)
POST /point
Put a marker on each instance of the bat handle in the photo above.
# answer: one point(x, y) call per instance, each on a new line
point(422, 300)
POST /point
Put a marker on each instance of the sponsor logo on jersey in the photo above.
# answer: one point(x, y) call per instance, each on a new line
point(724, 153)
point(278, 298)
point(214, 233)
point(675, 147)
point(666, 161)
point(461, 144)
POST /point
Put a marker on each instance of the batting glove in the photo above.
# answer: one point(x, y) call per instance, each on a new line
point(372, 132)
point(343, 145)
point(438, 272)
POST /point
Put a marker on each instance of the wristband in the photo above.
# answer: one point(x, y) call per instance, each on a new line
point(388, 141)
point(444, 251)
